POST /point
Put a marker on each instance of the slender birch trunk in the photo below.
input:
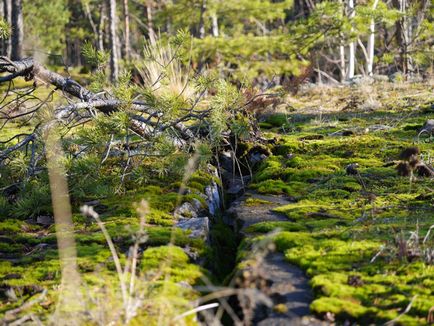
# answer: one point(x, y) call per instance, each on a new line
point(352, 45)
point(342, 62)
point(215, 25)
point(127, 45)
point(371, 44)
point(114, 61)
point(101, 26)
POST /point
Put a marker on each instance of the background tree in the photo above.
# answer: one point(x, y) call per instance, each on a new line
point(114, 60)
point(253, 41)
point(127, 46)
point(17, 24)
point(6, 8)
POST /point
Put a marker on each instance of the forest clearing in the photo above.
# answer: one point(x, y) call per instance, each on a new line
point(207, 162)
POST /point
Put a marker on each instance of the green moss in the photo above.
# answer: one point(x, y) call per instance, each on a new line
point(342, 308)
point(10, 226)
point(159, 218)
point(170, 261)
point(277, 120)
point(309, 208)
point(265, 125)
point(272, 187)
point(266, 227)
point(278, 186)
point(256, 202)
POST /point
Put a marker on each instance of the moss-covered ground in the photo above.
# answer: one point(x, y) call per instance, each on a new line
point(348, 232)
point(359, 237)
point(29, 257)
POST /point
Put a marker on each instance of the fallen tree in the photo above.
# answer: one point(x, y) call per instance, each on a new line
point(223, 121)
point(141, 114)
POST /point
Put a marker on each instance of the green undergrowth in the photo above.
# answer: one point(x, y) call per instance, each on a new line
point(337, 223)
point(29, 257)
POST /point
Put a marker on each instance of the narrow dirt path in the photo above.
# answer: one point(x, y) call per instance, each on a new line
point(289, 286)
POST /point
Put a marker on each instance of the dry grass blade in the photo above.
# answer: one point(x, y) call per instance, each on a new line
point(195, 310)
point(407, 309)
point(89, 211)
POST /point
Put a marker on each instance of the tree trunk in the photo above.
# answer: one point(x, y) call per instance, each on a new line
point(17, 30)
point(371, 44)
point(150, 23)
point(102, 18)
point(352, 45)
point(127, 46)
point(202, 20)
point(7, 12)
point(342, 62)
point(114, 62)
point(401, 34)
point(215, 25)
point(2, 41)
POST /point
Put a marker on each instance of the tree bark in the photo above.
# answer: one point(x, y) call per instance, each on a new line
point(127, 45)
point(2, 15)
point(114, 61)
point(371, 43)
point(401, 34)
point(141, 125)
point(150, 22)
point(102, 19)
point(215, 25)
point(202, 20)
point(342, 62)
point(352, 45)
point(7, 12)
point(17, 30)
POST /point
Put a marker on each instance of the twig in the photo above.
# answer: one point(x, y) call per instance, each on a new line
point(427, 234)
point(9, 315)
point(391, 322)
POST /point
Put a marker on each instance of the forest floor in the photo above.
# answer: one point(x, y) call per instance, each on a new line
point(359, 238)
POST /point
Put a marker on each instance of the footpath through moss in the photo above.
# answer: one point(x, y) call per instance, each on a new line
point(360, 236)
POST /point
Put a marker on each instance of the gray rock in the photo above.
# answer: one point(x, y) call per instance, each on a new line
point(257, 157)
point(226, 161)
point(197, 204)
point(361, 80)
point(213, 198)
point(236, 186)
point(381, 78)
point(415, 78)
point(375, 128)
point(186, 210)
point(199, 226)
point(428, 127)
point(44, 220)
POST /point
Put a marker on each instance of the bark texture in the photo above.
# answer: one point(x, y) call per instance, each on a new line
point(17, 25)
point(114, 61)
